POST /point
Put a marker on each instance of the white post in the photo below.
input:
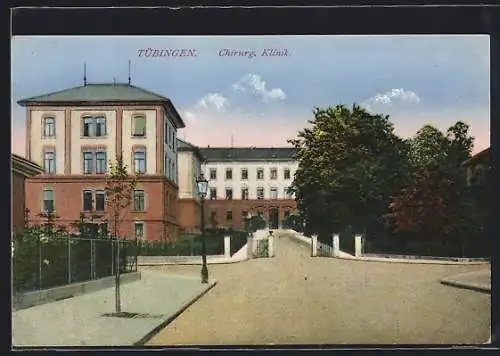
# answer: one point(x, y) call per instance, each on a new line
point(357, 245)
point(336, 245)
point(270, 249)
point(227, 246)
point(314, 245)
point(249, 247)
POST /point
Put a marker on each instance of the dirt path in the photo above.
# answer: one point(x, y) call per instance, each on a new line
point(295, 299)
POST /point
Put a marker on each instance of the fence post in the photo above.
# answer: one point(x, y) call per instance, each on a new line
point(92, 259)
point(112, 257)
point(336, 245)
point(227, 246)
point(314, 245)
point(270, 248)
point(69, 259)
point(249, 246)
point(357, 245)
point(39, 263)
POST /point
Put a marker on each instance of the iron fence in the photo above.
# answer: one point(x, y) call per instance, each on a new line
point(41, 262)
point(324, 250)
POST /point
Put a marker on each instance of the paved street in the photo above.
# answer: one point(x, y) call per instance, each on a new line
point(295, 299)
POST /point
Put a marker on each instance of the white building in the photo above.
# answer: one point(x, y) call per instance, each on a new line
point(252, 180)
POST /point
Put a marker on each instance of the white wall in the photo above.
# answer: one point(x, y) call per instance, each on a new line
point(128, 141)
point(252, 183)
point(77, 139)
point(38, 141)
point(170, 145)
point(189, 169)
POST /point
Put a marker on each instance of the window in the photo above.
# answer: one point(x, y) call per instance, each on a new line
point(260, 193)
point(274, 173)
point(87, 200)
point(213, 216)
point(229, 216)
point(229, 173)
point(88, 162)
point(287, 193)
point(140, 161)
point(94, 126)
point(244, 193)
point(213, 193)
point(49, 161)
point(274, 193)
point(48, 201)
point(167, 133)
point(139, 200)
point(100, 200)
point(244, 174)
point(260, 173)
point(229, 193)
point(101, 160)
point(213, 173)
point(100, 126)
point(139, 126)
point(244, 215)
point(287, 214)
point(286, 173)
point(139, 230)
point(49, 127)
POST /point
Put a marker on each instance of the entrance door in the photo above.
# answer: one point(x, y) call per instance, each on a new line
point(273, 218)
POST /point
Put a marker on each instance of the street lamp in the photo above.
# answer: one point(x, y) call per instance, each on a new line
point(202, 185)
point(249, 221)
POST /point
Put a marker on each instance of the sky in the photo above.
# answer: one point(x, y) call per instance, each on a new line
point(229, 92)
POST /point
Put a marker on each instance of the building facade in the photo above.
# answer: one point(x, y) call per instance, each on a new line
point(21, 170)
point(75, 133)
point(478, 167)
point(189, 212)
point(250, 180)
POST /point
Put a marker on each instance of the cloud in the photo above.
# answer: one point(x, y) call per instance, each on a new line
point(257, 86)
point(213, 101)
point(395, 95)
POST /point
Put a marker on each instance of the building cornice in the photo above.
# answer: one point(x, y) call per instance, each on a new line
point(24, 167)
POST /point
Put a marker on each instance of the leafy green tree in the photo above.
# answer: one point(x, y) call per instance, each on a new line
point(350, 163)
point(119, 190)
point(438, 204)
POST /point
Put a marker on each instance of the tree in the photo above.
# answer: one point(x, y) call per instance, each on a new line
point(350, 163)
point(437, 204)
point(119, 189)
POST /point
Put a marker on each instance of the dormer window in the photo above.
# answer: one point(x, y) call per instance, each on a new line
point(139, 126)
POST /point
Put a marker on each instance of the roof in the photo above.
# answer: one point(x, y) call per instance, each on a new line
point(25, 167)
point(103, 92)
point(482, 156)
point(183, 146)
point(215, 154)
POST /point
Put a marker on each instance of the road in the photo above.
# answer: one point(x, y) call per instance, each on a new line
point(295, 299)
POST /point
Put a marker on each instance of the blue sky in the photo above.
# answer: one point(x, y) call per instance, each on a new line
point(263, 101)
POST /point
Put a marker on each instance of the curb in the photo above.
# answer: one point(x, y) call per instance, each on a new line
point(470, 286)
point(172, 317)
point(414, 261)
point(191, 263)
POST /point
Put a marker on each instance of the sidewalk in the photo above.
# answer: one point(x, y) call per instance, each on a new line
point(479, 281)
point(78, 321)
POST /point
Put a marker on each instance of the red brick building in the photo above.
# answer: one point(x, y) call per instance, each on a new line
point(21, 170)
point(75, 133)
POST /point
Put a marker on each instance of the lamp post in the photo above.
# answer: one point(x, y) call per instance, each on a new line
point(202, 185)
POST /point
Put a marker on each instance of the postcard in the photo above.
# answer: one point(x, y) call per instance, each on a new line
point(250, 190)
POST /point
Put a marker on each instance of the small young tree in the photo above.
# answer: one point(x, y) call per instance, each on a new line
point(119, 187)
